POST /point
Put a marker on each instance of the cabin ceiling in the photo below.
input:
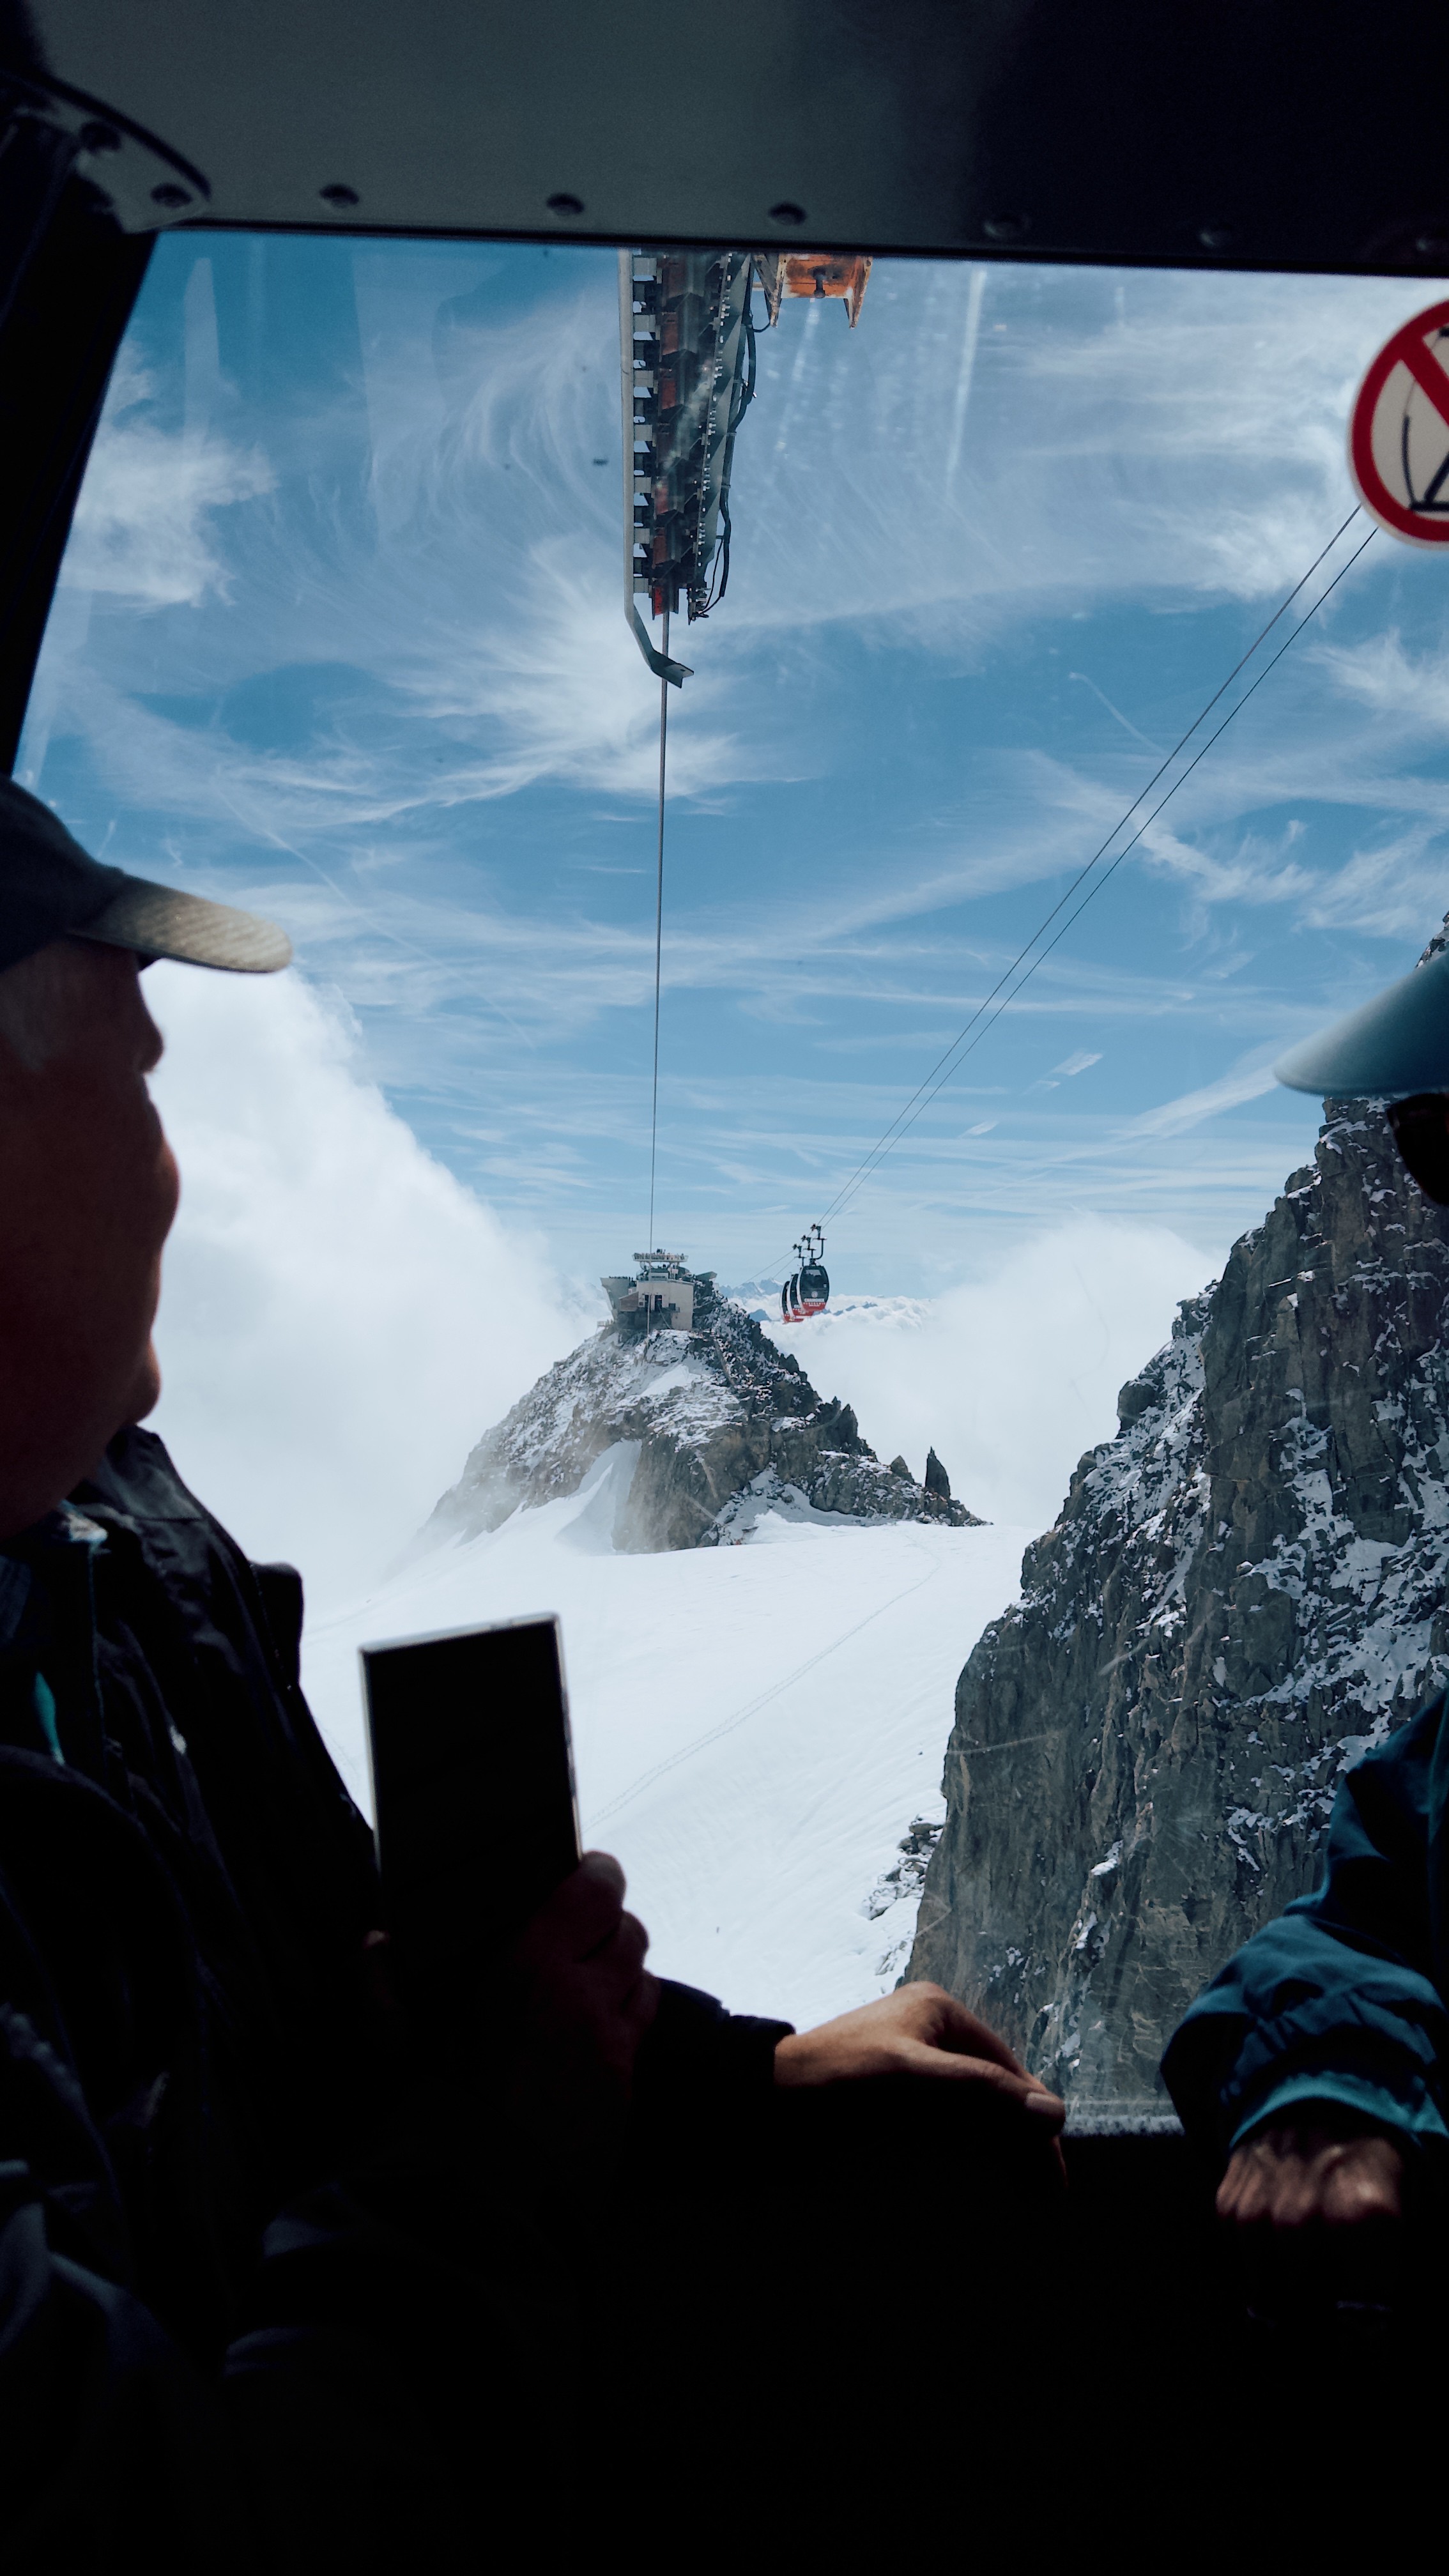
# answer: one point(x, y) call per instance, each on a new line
point(1232, 133)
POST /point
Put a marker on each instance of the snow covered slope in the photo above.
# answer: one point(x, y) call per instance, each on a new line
point(758, 1727)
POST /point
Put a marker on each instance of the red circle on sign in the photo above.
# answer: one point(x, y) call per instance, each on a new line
point(1422, 525)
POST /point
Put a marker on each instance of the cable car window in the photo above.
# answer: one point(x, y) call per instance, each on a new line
point(809, 795)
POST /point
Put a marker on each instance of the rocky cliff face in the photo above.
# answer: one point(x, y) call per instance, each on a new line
point(724, 1428)
point(1243, 1590)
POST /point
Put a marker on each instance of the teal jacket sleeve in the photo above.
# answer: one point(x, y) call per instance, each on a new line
point(1342, 1999)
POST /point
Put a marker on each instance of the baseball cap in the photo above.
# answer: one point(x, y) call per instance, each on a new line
point(1393, 1047)
point(50, 888)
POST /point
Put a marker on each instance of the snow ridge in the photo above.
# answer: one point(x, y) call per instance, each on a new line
point(723, 1427)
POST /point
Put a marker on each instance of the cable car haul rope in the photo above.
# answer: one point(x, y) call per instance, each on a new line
point(658, 920)
point(687, 377)
point(1024, 965)
point(964, 1044)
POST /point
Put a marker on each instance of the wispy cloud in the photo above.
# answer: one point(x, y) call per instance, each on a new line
point(1174, 1117)
point(350, 645)
point(144, 527)
point(482, 588)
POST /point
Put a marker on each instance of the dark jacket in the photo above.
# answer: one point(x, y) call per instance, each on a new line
point(211, 2177)
point(1343, 1998)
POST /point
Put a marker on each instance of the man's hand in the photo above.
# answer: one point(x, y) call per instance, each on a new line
point(581, 2003)
point(1315, 2208)
point(921, 2031)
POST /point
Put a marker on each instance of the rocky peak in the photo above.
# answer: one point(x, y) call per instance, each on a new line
point(723, 1427)
point(1242, 1592)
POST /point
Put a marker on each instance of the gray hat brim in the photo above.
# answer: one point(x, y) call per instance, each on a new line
point(157, 921)
point(1394, 1046)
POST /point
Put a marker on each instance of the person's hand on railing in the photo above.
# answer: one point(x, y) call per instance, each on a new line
point(1315, 2208)
point(923, 2033)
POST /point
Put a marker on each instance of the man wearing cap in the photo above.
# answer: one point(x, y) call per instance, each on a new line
point(269, 2286)
point(1318, 2060)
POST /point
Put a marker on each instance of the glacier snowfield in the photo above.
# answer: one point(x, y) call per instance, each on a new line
point(756, 1727)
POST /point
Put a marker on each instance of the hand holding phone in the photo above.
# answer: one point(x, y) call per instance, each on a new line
point(515, 1958)
point(584, 2001)
point(473, 1791)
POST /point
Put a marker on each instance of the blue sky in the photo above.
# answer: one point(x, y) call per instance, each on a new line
point(341, 634)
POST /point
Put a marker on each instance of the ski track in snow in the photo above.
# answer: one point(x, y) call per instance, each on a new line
point(756, 1726)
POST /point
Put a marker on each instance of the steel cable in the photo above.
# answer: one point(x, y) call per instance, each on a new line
point(864, 1171)
point(954, 1055)
point(658, 932)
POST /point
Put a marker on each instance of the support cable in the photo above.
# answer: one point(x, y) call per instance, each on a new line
point(658, 925)
point(878, 1153)
point(955, 1054)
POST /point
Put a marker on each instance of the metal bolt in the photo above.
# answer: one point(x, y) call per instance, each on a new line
point(1006, 228)
point(1215, 236)
point(168, 194)
point(564, 204)
point(787, 212)
point(339, 194)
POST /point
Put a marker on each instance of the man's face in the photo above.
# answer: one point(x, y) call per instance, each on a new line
point(88, 1189)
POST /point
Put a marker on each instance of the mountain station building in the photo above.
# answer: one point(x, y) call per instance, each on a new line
point(660, 1299)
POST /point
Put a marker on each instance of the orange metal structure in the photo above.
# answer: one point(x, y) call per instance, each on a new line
point(845, 274)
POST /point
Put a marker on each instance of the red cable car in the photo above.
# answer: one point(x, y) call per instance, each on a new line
point(807, 1290)
point(812, 1283)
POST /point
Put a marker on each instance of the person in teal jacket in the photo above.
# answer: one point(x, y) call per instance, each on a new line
point(1317, 2062)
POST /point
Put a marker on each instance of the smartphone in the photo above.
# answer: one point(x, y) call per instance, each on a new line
point(475, 1807)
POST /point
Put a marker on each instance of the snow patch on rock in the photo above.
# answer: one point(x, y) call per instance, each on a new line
point(1242, 1593)
point(722, 1427)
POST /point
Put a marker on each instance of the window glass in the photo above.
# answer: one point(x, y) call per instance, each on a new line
point(341, 635)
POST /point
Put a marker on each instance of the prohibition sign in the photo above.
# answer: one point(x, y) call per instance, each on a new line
point(1398, 438)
